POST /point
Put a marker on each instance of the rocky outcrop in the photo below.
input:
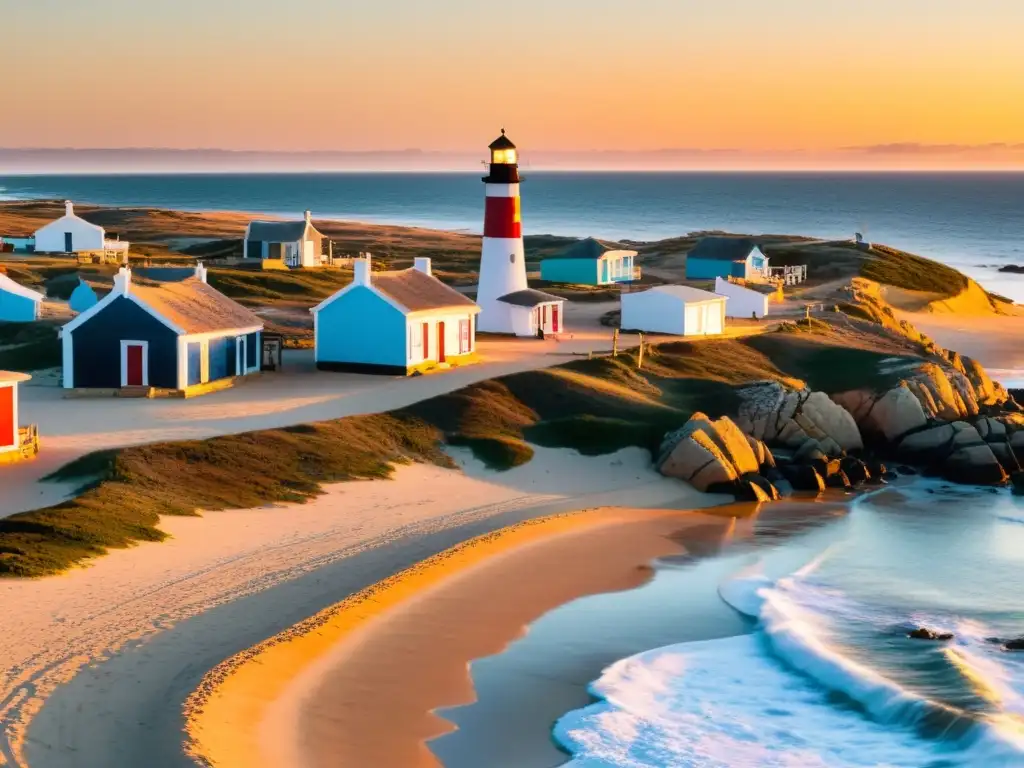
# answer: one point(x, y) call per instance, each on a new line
point(775, 416)
point(923, 633)
point(716, 456)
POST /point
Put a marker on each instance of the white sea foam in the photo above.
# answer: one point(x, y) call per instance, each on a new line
point(725, 704)
point(739, 703)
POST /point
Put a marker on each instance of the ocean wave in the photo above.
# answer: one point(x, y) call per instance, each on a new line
point(725, 704)
point(789, 611)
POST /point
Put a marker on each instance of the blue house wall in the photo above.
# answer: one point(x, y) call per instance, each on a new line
point(360, 329)
point(709, 269)
point(579, 271)
point(16, 309)
point(97, 346)
point(253, 351)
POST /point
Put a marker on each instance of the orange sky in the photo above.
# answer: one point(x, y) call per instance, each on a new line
point(766, 79)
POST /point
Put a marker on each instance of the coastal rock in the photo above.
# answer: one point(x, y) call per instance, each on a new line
point(924, 633)
point(803, 477)
point(1014, 645)
point(1016, 269)
point(709, 454)
point(856, 470)
point(1017, 483)
point(957, 451)
point(771, 414)
point(890, 416)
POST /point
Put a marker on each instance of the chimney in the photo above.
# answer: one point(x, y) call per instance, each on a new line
point(309, 216)
point(69, 208)
point(123, 281)
point(422, 264)
point(361, 271)
point(200, 272)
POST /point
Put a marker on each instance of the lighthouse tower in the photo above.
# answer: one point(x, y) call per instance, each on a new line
point(502, 260)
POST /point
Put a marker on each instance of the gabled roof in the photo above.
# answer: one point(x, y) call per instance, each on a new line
point(279, 231)
point(9, 286)
point(195, 307)
point(408, 291)
point(684, 292)
point(417, 291)
point(163, 274)
point(589, 248)
point(722, 249)
point(530, 297)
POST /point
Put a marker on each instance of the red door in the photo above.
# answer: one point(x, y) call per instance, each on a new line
point(555, 328)
point(426, 341)
point(7, 425)
point(440, 342)
point(134, 355)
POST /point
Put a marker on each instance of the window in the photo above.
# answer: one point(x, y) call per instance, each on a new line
point(511, 258)
point(464, 337)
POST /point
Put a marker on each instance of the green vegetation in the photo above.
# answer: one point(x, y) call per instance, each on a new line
point(913, 273)
point(255, 286)
point(128, 489)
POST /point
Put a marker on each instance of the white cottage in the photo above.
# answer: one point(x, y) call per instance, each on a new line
point(291, 243)
point(676, 309)
point(73, 234)
point(743, 301)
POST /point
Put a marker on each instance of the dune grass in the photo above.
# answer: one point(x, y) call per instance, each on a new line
point(29, 346)
point(914, 273)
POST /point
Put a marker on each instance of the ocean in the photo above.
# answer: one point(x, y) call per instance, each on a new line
point(790, 650)
point(972, 221)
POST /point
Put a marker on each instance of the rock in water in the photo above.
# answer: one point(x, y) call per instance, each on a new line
point(1017, 483)
point(856, 470)
point(1014, 645)
point(804, 477)
point(926, 634)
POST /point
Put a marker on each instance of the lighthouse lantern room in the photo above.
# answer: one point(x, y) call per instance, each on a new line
point(503, 293)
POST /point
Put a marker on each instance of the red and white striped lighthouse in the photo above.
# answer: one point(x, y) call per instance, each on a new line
point(502, 260)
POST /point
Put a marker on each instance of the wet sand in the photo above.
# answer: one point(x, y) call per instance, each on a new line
point(356, 686)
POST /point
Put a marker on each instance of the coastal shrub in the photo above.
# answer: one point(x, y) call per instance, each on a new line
point(29, 346)
point(914, 273)
point(596, 436)
point(497, 453)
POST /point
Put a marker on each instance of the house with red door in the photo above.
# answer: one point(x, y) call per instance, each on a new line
point(179, 337)
point(16, 442)
point(395, 322)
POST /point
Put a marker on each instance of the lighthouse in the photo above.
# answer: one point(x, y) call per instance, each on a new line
point(507, 303)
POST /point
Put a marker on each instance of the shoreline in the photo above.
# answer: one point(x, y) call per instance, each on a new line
point(362, 683)
point(282, 702)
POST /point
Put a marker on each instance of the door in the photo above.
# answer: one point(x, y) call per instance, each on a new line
point(69, 242)
point(426, 341)
point(440, 342)
point(7, 425)
point(241, 364)
point(555, 327)
point(134, 368)
point(604, 271)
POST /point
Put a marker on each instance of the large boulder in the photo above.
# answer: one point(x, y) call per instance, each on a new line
point(712, 455)
point(856, 470)
point(804, 477)
point(957, 451)
point(889, 416)
point(771, 414)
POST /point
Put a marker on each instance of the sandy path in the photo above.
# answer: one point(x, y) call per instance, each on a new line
point(231, 579)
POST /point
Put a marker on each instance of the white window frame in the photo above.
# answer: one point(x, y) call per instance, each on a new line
point(125, 343)
point(241, 350)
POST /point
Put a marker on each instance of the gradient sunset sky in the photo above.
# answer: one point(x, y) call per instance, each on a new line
point(768, 79)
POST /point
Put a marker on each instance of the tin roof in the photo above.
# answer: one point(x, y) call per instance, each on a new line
point(529, 297)
point(722, 249)
point(279, 231)
point(684, 292)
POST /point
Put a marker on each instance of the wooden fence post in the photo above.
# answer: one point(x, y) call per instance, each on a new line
point(640, 354)
point(615, 343)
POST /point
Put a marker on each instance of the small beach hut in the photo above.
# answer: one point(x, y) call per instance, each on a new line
point(676, 309)
point(532, 312)
point(73, 234)
point(743, 301)
point(15, 441)
point(287, 243)
point(18, 304)
point(83, 297)
point(396, 322)
point(590, 262)
point(726, 257)
point(173, 336)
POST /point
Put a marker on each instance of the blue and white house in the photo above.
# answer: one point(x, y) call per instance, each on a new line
point(18, 304)
point(174, 336)
point(591, 262)
point(726, 257)
point(82, 298)
point(395, 322)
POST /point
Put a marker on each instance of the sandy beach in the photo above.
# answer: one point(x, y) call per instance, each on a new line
point(115, 649)
point(356, 685)
point(992, 340)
